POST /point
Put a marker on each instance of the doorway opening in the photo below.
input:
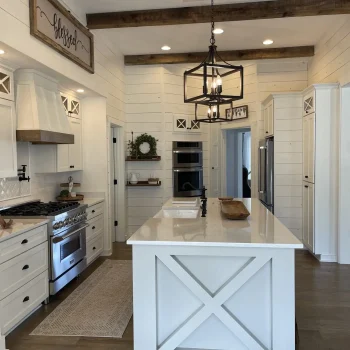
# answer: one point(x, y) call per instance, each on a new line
point(238, 163)
point(116, 179)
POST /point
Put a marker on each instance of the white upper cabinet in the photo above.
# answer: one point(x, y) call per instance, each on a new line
point(75, 151)
point(268, 116)
point(8, 148)
point(309, 102)
point(6, 84)
point(185, 123)
point(309, 148)
point(71, 105)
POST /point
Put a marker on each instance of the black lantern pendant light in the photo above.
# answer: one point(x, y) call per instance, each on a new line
point(212, 84)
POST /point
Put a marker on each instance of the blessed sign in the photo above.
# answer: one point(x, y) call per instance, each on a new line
point(51, 23)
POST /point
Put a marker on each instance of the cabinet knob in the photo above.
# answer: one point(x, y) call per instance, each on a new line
point(25, 267)
point(306, 186)
point(25, 241)
point(267, 132)
point(93, 212)
point(72, 166)
point(93, 227)
point(94, 248)
point(26, 299)
point(306, 177)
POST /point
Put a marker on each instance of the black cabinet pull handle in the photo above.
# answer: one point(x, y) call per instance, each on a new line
point(72, 166)
point(306, 177)
point(306, 186)
point(93, 227)
point(25, 241)
point(93, 212)
point(25, 267)
point(94, 248)
point(26, 299)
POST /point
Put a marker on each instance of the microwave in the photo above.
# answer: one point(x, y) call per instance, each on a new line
point(187, 154)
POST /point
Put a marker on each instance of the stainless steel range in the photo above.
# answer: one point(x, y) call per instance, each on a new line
point(67, 237)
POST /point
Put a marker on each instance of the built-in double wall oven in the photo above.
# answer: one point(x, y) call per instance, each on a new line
point(188, 168)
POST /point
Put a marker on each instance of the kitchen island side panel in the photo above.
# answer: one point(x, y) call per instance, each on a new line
point(213, 298)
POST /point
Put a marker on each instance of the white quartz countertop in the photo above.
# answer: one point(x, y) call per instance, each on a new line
point(91, 201)
point(21, 226)
point(261, 230)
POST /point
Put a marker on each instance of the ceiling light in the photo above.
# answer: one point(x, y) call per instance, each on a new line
point(80, 91)
point(2, 52)
point(166, 48)
point(218, 31)
point(213, 76)
point(268, 42)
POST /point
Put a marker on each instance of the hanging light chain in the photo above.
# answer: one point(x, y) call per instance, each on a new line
point(212, 39)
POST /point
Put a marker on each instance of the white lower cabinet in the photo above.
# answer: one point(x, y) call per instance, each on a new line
point(308, 216)
point(95, 232)
point(24, 278)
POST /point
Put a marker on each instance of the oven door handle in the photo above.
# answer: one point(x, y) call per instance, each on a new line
point(61, 239)
point(188, 151)
point(188, 170)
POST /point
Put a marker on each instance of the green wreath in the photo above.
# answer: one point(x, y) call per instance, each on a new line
point(134, 147)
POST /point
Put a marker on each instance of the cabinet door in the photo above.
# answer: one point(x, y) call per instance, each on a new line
point(266, 120)
point(75, 108)
point(65, 102)
point(8, 146)
point(306, 150)
point(63, 158)
point(309, 103)
point(194, 126)
point(270, 119)
point(180, 123)
point(311, 155)
point(75, 151)
point(6, 84)
point(308, 216)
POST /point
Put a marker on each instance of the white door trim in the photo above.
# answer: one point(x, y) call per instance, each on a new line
point(120, 235)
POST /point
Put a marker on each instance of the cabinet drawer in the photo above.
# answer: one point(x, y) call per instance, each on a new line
point(21, 243)
point(20, 270)
point(23, 301)
point(95, 227)
point(94, 249)
point(94, 210)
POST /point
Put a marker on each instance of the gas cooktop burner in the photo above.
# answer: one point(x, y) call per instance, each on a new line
point(41, 209)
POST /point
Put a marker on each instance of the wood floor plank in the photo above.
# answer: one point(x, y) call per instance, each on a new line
point(322, 310)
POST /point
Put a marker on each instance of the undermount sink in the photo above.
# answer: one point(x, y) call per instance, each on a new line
point(178, 213)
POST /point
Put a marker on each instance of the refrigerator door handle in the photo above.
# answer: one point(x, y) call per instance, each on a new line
point(262, 170)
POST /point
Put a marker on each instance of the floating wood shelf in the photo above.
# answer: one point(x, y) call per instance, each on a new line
point(144, 184)
point(153, 159)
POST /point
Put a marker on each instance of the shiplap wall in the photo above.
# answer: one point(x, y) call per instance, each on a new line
point(153, 96)
point(331, 63)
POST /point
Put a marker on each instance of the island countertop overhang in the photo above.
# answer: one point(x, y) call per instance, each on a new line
point(261, 230)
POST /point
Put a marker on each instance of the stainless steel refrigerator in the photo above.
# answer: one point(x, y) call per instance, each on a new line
point(266, 173)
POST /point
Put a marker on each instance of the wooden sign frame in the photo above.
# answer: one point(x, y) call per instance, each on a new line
point(34, 31)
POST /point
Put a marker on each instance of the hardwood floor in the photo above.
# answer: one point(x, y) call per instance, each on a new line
point(322, 309)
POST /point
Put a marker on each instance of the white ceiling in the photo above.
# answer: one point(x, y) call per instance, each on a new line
point(285, 32)
point(98, 6)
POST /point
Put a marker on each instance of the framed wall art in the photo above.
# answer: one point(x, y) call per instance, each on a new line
point(54, 25)
point(237, 113)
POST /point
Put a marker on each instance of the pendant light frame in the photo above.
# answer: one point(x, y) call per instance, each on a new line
point(209, 70)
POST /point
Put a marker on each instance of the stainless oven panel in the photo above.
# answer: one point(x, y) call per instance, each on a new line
point(187, 158)
point(188, 182)
point(67, 249)
point(187, 145)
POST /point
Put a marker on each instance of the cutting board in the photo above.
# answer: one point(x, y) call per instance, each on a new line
point(234, 210)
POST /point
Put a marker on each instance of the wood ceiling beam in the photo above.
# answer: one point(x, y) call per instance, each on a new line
point(223, 13)
point(238, 55)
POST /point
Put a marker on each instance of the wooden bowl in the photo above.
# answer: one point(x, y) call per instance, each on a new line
point(234, 210)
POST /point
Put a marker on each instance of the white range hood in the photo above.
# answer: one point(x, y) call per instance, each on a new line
point(41, 118)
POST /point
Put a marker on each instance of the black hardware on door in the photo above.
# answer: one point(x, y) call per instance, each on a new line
point(116, 182)
point(306, 186)
point(25, 241)
point(93, 227)
point(26, 299)
point(93, 212)
point(25, 267)
point(72, 166)
point(306, 177)
point(116, 223)
point(114, 140)
point(94, 248)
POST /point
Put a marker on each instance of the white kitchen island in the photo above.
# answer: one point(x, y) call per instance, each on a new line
point(211, 283)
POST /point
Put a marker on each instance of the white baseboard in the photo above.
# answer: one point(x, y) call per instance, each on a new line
point(328, 258)
point(107, 252)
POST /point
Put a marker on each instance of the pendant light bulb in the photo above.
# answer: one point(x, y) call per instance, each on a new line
point(219, 82)
point(209, 112)
point(215, 111)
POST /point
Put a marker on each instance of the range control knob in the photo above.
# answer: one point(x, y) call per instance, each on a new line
point(56, 226)
point(66, 222)
point(60, 224)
